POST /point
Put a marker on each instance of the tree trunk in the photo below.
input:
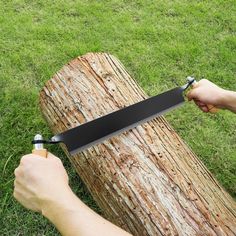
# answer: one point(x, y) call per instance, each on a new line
point(146, 180)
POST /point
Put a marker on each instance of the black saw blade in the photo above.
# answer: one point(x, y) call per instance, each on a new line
point(102, 128)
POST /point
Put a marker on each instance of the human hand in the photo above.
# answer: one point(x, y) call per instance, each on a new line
point(40, 181)
point(207, 95)
point(41, 185)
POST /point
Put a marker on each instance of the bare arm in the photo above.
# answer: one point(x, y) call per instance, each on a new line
point(230, 101)
point(41, 185)
point(207, 92)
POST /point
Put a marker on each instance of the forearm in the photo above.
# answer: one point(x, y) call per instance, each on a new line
point(229, 101)
point(72, 217)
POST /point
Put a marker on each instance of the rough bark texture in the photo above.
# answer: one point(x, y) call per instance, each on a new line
point(146, 180)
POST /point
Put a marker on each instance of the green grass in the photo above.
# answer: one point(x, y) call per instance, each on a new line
point(159, 42)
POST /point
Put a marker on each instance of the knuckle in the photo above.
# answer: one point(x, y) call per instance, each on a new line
point(27, 161)
point(16, 172)
point(15, 195)
point(17, 184)
point(203, 81)
point(22, 160)
point(59, 161)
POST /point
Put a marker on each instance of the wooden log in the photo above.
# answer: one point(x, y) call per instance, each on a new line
point(146, 180)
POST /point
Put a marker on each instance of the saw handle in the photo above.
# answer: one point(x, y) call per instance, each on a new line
point(40, 152)
point(38, 146)
point(211, 108)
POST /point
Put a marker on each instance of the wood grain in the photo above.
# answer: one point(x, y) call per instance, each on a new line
point(146, 180)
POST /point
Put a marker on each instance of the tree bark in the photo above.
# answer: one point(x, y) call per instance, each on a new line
point(146, 180)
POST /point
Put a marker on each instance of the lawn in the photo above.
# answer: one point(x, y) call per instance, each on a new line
point(159, 42)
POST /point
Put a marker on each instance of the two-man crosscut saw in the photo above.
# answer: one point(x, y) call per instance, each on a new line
point(102, 128)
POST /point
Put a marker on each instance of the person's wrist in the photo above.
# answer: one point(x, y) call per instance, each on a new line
point(223, 98)
point(229, 101)
point(58, 201)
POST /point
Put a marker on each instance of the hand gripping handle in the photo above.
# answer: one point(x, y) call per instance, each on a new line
point(194, 84)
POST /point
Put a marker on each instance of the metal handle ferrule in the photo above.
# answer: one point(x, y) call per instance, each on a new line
point(190, 81)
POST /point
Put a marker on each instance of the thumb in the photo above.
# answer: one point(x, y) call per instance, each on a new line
point(192, 94)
